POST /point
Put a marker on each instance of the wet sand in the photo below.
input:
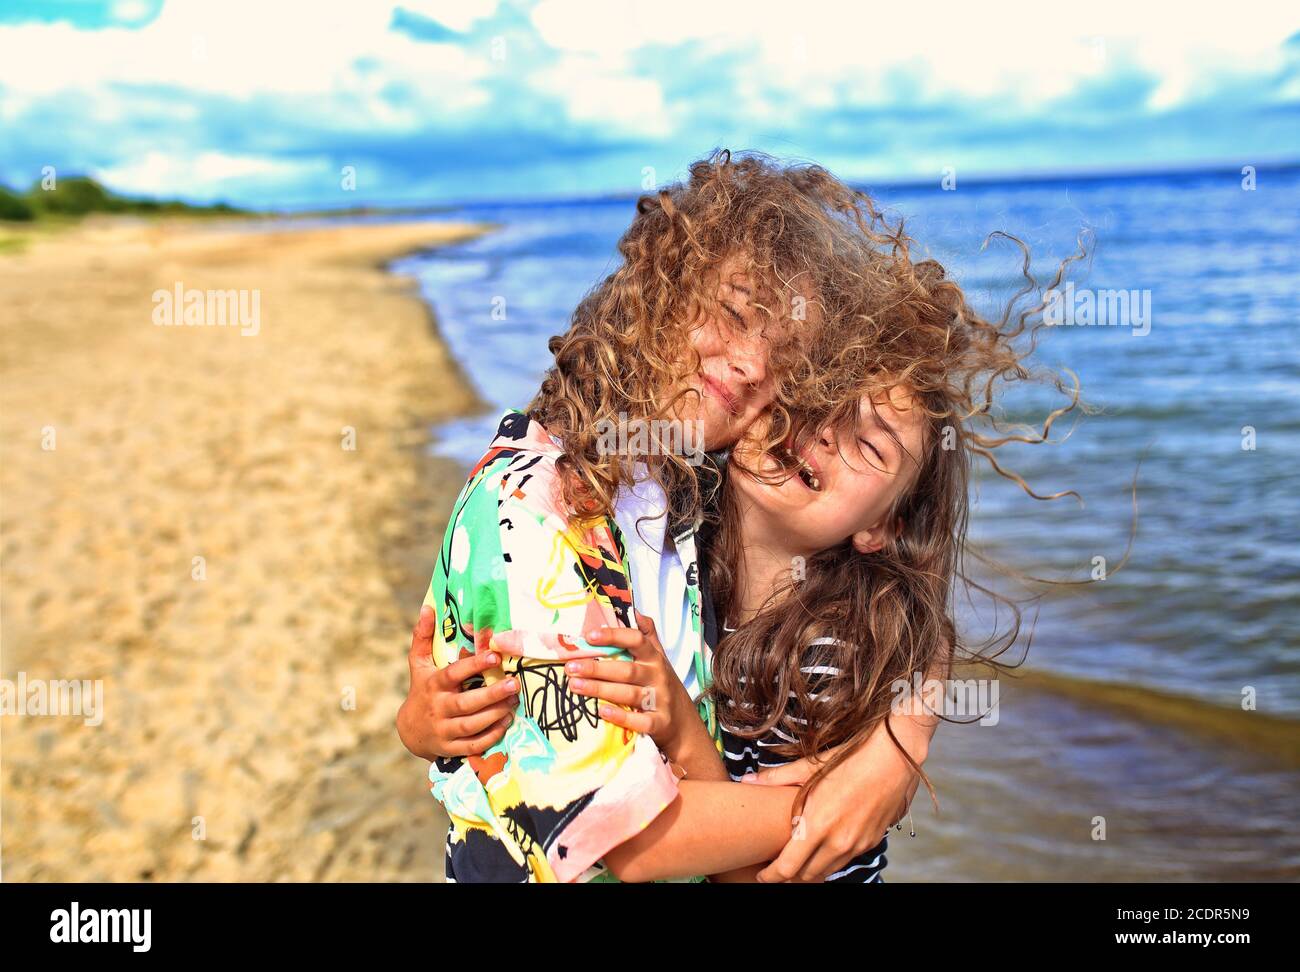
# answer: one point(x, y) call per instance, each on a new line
point(248, 697)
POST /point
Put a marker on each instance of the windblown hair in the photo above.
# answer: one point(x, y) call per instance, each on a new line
point(804, 238)
point(884, 618)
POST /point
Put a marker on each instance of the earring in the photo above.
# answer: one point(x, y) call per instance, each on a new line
point(910, 827)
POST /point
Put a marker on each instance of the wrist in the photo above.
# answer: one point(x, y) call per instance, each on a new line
point(680, 715)
point(672, 742)
point(697, 753)
point(417, 743)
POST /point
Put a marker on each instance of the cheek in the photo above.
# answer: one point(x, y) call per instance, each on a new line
point(705, 338)
point(759, 399)
point(825, 525)
point(717, 430)
point(762, 497)
point(865, 508)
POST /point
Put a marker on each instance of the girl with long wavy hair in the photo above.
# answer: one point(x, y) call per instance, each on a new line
point(838, 558)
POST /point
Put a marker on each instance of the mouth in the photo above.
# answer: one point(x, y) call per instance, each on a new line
point(718, 390)
point(804, 471)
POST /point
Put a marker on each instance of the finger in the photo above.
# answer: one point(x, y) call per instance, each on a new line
point(817, 880)
point(476, 745)
point(616, 692)
point(795, 773)
point(463, 669)
point(463, 727)
point(824, 861)
point(646, 626)
point(475, 700)
point(629, 639)
point(421, 653)
point(609, 669)
point(800, 879)
point(640, 722)
point(788, 863)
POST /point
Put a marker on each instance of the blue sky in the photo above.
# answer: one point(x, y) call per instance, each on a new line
point(263, 102)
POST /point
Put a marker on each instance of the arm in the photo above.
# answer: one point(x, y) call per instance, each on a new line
point(915, 735)
point(847, 814)
point(858, 800)
point(732, 839)
point(715, 826)
point(698, 755)
point(701, 832)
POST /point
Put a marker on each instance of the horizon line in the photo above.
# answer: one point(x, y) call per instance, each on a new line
point(979, 178)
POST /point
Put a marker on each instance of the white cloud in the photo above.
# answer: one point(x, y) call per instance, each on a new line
point(1023, 50)
point(201, 174)
point(335, 69)
point(596, 89)
point(325, 67)
point(130, 11)
point(238, 48)
point(810, 54)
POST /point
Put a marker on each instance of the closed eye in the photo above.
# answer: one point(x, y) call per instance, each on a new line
point(867, 443)
point(734, 313)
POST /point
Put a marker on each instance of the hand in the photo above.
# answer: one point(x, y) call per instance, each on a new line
point(647, 685)
point(849, 810)
point(438, 718)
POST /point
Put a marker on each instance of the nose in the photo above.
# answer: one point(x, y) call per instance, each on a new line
point(827, 441)
point(747, 359)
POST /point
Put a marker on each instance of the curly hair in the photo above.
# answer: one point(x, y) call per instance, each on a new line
point(884, 618)
point(809, 243)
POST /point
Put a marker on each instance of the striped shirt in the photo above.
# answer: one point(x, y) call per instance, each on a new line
point(744, 756)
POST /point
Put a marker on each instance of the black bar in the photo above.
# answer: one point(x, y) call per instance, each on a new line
point(439, 922)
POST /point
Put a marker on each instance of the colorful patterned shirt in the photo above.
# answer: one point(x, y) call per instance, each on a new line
point(517, 575)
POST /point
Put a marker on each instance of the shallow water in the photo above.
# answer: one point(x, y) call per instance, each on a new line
point(1030, 799)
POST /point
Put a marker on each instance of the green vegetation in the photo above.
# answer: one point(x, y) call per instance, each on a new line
point(15, 207)
point(75, 196)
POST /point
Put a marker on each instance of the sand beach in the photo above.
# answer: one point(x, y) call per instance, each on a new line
point(226, 531)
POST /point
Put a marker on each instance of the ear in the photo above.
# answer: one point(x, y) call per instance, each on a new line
point(874, 538)
point(870, 540)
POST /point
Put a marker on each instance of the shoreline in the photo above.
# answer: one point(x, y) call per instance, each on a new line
point(226, 699)
point(203, 538)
